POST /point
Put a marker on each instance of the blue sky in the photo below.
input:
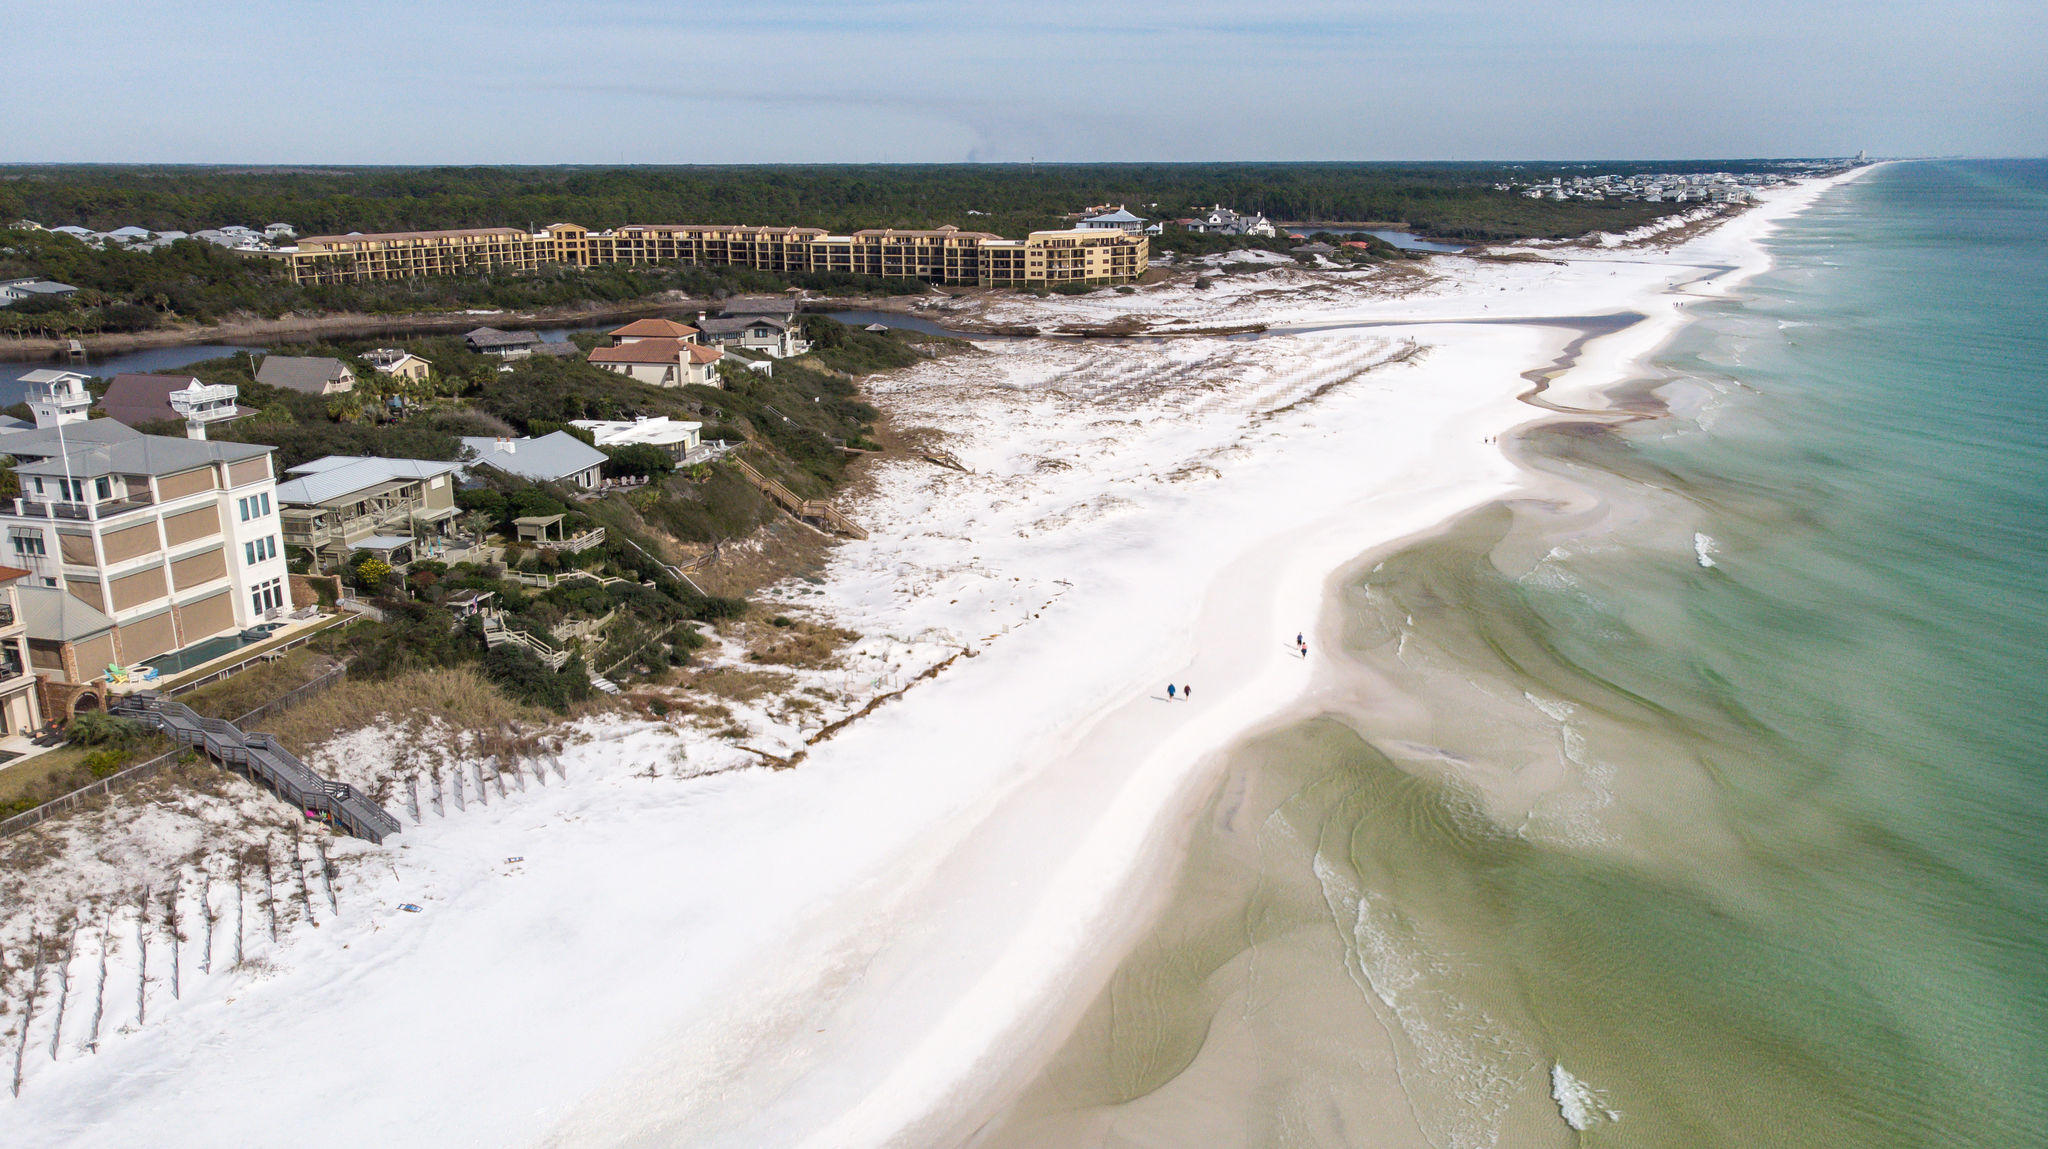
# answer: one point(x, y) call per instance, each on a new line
point(715, 81)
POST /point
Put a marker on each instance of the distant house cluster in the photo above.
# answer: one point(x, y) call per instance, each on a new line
point(1650, 187)
point(1220, 220)
point(131, 238)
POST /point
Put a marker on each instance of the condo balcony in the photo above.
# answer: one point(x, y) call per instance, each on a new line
point(98, 509)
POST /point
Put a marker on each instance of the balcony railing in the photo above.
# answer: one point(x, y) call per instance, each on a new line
point(54, 509)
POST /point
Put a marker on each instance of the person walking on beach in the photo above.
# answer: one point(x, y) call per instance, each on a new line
point(1187, 694)
point(1169, 692)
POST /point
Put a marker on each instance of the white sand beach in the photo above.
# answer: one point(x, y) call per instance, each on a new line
point(692, 948)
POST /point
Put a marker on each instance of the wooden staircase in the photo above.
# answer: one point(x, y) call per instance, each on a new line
point(496, 633)
point(262, 759)
point(813, 512)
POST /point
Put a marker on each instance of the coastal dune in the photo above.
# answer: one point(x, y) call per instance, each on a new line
point(884, 945)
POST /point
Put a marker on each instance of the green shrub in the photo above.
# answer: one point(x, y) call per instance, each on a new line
point(98, 728)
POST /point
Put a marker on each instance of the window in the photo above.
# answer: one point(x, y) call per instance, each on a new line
point(242, 505)
point(29, 545)
point(103, 487)
point(267, 596)
point(265, 498)
point(264, 548)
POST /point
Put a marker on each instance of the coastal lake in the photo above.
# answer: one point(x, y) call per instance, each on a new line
point(1405, 240)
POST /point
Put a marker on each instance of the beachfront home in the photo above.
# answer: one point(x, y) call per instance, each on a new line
point(1220, 220)
point(307, 374)
point(21, 709)
point(172, 540)
point(558, 457)
point(504, 344)
point(70, 646)
point(1118, 220)
point(401, 365)
point(14, 290)
point(340, 504)
point(675, 437)
point(660, 362)
point(137, 399)
point(766, 333)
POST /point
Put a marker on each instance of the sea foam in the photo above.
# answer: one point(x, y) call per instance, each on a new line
point(1579, 1103)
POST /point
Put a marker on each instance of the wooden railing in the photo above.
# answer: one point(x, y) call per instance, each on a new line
point(816, 512)
point(496, 633)
point(142, 771)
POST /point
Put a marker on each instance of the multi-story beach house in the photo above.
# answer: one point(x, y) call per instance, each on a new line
point(21, 709)
point(340, 504)
point(166, 542)
point(938, 255)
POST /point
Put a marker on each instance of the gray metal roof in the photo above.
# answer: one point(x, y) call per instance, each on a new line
point(56, 616)
point(548, 458)
point(41, 442)
point(381, 543)
point(337, 477)
point(141, 455)
point(1117, 216)
point(308, 373)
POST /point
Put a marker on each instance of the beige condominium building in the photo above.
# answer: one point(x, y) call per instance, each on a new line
point(155, 543)
point(941, 255)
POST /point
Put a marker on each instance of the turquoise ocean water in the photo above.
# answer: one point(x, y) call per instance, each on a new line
point(1718, 818)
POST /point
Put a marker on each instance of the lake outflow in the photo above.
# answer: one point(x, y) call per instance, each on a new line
point(1696, 800)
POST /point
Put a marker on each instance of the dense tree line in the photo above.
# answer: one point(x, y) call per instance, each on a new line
point(1444, 199)
point(191, 280)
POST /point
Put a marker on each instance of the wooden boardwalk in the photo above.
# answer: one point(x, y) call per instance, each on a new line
point(262, 759)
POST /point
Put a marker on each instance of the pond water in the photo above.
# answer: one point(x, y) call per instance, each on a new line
point(106, 366)
point(1405, 240)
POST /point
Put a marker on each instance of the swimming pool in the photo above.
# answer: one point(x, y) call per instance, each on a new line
point(178, 661)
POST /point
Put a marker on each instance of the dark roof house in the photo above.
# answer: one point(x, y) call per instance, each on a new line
point(134, 399)
point(310, 374)
point(491, 341)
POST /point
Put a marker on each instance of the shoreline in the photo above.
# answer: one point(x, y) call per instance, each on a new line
point(921, 1107)
point(1612, 386)
point(1600, 381)
point(869, 968)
